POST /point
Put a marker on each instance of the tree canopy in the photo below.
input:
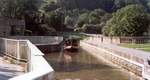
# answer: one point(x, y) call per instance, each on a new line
point(129, 21)
point(49, 15)
point(18, 8)
point(107, 5)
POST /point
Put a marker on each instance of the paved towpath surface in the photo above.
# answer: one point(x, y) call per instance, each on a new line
point(139, 53)
point(8, 71)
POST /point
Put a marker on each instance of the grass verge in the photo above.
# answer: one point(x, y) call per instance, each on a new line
point(144, 47)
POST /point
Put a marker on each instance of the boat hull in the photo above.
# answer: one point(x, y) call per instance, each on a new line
point(72, 49)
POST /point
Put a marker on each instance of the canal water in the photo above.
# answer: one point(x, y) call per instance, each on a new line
point(86, 67)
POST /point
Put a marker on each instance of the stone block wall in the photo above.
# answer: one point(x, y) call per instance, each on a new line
point(110, 58)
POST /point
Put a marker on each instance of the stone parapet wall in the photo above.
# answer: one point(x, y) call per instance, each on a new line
point(110, 58)
point(121, 39)
point(36, 67)
point(46, 44)
point(40, 40)
point(14, 49)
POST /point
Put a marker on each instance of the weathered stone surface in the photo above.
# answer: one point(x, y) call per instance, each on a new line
point(8, 71)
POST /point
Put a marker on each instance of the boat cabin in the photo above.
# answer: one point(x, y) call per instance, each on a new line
point(72, 44)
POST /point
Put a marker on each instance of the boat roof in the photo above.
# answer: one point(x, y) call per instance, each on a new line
point(74, 37)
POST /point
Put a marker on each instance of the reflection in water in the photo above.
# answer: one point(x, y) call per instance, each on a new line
point(85, 67)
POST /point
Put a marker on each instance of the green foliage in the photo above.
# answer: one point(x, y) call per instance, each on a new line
point(144, 47)
point(69, 21)
point(11, 8)
point(92, 21)
point(46, 30)
point(91, 17)
point(96, 16)
point(83, 19)
point(56, 20)
point(129, 21)
point(148, 5)
point(50, 6)
point(61, 13)
point(92, 29)
point(18, 8)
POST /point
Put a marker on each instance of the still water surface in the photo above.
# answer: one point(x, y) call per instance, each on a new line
point(86, 67)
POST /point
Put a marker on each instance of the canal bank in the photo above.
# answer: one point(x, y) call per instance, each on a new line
point(134, 61)
point(113, 60)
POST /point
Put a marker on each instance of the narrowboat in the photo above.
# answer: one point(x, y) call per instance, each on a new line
point(72, 44)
